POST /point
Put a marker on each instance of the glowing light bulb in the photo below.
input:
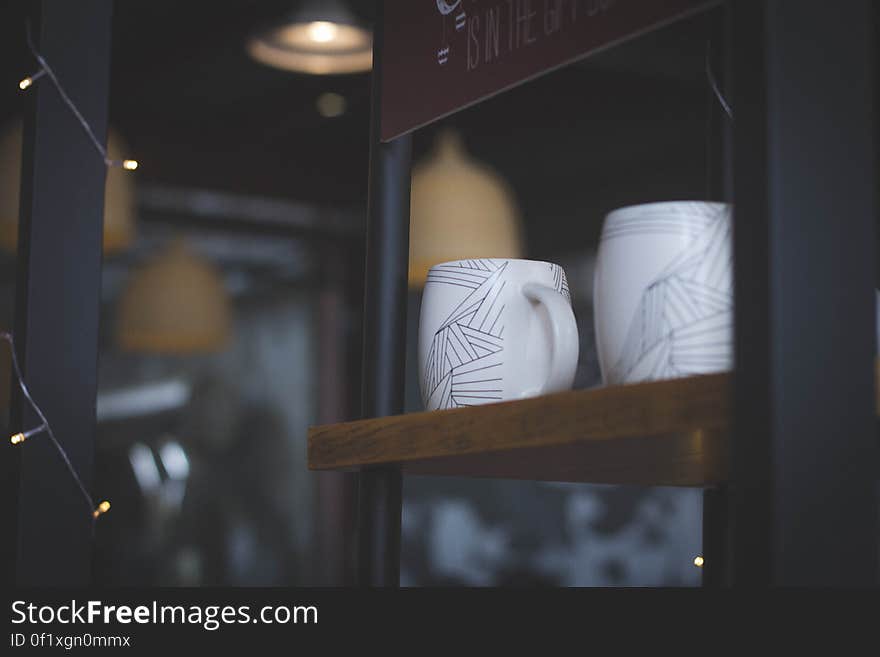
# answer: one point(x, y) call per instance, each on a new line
point(698, 561)
point(29, 80)
point(19, 438)
point(103, 507)
point(322, 31)
point(131, 165)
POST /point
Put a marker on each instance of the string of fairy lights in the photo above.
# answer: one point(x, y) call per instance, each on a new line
point(713, 83)
point(45, 427)
point(46, 71)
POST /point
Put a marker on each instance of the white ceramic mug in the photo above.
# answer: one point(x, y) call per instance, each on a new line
point(663, 291)
point(495, 329)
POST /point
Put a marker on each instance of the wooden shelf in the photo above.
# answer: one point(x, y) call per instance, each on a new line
point(660, 433)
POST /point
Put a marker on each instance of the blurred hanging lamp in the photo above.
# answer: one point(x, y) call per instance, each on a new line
point(175, 304)
point(459, 208)
point(119, 192)
point(322, 37)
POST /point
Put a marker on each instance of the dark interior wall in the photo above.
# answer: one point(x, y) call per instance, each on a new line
point(581, 142)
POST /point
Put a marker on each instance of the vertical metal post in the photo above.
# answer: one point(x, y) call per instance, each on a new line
point(387, 257)
point(58, 290)
point(715, 553)
point(335, 490)
point(804, 454)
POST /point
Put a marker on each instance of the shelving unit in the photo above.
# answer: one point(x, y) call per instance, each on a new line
point(786, 450)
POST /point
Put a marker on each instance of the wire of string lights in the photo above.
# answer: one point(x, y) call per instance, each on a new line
point(45, 70)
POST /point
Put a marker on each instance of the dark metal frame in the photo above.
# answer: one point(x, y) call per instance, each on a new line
point(57, 295)
point(804, 454)
point(385, 296)
point(715, 537)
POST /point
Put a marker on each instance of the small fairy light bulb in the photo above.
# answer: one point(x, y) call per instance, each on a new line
point(103, 508)
point(131, 165)
point(699, 561)
point(29, 80)
point(19, 438)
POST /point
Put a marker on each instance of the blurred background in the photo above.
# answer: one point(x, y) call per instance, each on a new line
point(232, 300)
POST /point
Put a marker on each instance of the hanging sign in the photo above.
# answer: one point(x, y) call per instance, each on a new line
point(442, 55)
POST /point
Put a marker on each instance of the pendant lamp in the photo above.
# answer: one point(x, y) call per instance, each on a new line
point(459, 208)
point(119, 192)
point(322, 37)
point(175, 304)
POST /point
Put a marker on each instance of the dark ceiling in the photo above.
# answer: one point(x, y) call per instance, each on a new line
point(183, 84)
point(198, 111)
point(627, 125)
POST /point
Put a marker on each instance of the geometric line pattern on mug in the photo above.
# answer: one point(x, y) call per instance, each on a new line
point(690, 219)
point(466, 352)
point(560, 282)
point(684, 320)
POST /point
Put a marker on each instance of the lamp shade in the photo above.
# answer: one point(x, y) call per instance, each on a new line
point(119, 192)
point(459, 208)
point(176, 303)
point(321, 38)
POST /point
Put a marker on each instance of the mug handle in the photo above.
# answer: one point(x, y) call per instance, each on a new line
point(565, 343)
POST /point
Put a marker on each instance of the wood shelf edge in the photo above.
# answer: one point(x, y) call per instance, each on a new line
point(658, 408)
point(671, 432)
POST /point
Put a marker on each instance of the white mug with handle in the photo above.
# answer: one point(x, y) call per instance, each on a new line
point(494, 329)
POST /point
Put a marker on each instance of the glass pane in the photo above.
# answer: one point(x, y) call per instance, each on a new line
point(636, 124)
